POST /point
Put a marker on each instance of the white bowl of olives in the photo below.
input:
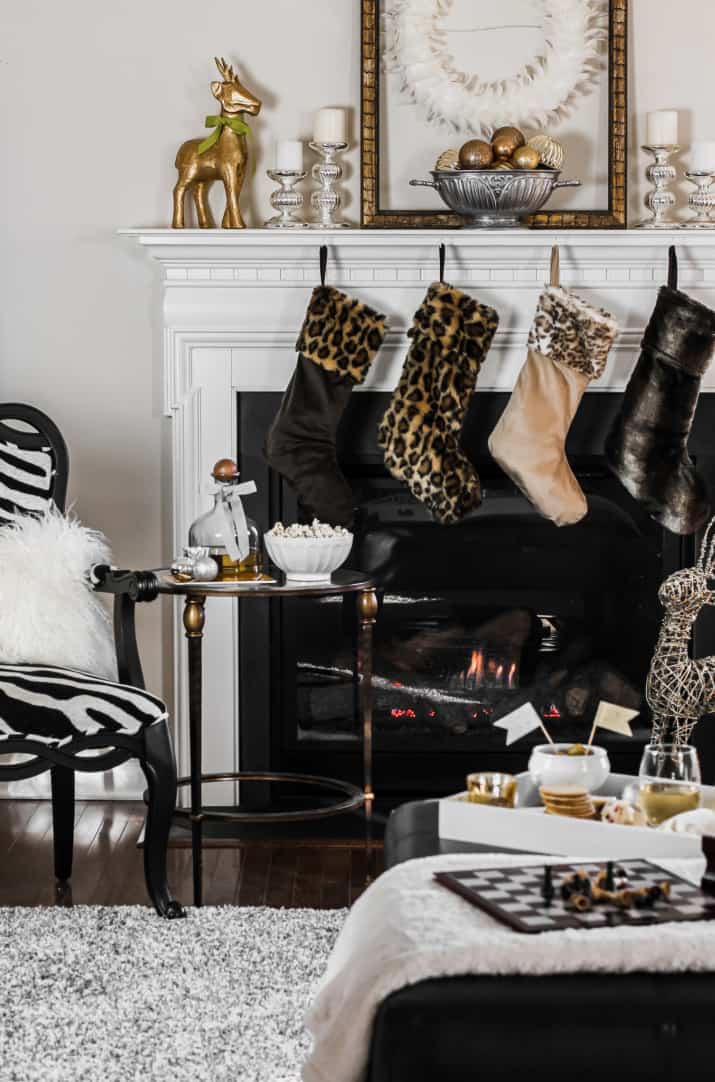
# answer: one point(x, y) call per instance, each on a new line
point(570, 764)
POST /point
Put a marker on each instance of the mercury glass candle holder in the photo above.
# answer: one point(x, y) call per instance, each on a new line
point(325, 200)
point(660, 200)
point(286, 199)
point(701, 201)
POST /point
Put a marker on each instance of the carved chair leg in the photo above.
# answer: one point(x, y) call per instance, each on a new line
point(62, 781)
point(160, 771)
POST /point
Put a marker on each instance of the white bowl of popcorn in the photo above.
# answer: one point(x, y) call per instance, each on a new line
point(308, 553)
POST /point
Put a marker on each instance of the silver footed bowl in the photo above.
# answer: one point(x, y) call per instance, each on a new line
point(495, 198)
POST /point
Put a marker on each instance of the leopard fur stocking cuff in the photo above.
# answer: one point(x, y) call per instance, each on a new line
point(340, 334)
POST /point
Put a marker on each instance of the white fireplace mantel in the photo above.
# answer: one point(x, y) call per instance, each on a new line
point(232, 305)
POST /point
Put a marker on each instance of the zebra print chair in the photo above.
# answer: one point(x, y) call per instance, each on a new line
point(53, 715)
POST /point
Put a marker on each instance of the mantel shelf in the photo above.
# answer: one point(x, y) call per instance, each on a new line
point(236, 241)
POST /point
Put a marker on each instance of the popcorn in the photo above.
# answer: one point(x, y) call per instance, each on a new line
point(315, 530)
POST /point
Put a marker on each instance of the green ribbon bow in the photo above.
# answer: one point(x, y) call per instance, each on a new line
point(235, 123)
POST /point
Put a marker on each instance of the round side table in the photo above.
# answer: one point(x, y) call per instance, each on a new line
point(349, 796)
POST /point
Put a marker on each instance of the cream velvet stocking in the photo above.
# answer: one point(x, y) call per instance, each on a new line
point(568, 347)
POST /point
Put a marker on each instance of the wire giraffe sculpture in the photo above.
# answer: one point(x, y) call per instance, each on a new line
point(681, 689)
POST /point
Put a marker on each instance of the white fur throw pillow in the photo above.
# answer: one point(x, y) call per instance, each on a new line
point(50, 615)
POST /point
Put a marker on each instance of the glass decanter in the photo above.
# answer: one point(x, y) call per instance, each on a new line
point(231, 537)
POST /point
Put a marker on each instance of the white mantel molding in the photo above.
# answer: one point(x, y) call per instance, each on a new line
point(232, 305)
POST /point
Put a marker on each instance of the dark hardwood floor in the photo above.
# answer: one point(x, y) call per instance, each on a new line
point(108, 863)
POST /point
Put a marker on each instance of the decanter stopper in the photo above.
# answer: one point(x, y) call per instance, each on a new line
point(225, 470)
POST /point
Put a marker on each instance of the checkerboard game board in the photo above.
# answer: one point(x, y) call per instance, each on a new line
point(513, 895)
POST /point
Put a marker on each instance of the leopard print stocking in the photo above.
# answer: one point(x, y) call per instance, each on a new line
point(420, 432)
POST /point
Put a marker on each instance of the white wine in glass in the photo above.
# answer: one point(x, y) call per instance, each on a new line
point(663, 800)
point(669, 781)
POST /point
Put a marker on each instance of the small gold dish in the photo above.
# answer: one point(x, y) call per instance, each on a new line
point(486, 787)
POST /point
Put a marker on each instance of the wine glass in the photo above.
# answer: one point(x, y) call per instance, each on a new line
point(669, 781)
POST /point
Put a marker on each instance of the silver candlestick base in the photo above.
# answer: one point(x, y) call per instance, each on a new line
point(701, 202)
point(286, 200)
point(325, 201)
point(660, 201)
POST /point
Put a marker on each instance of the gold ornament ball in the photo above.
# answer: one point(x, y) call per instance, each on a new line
point(505, 141)
point(525, 158)
point(503, 164)
point(225, 470)
point(476, 154)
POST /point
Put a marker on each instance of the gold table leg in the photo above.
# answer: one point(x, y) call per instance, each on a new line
point(366, 616)
point(194, 619)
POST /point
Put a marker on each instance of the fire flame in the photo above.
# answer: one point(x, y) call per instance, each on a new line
point(479, 667)
point(475, 671)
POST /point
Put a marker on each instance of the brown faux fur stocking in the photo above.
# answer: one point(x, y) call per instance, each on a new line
point(337, 344)
point(647, 447)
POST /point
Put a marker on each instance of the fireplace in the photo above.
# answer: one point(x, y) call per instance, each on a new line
point(230, 305)
point(475, 619)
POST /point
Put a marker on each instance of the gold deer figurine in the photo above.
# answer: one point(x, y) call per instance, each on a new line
point(223, 155)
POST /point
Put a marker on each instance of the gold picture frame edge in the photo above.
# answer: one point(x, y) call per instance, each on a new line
point(371, 217)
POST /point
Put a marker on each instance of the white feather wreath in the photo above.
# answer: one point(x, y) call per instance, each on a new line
point(542, 93)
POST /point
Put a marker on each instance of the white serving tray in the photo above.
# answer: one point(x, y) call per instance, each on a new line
point(527, 829)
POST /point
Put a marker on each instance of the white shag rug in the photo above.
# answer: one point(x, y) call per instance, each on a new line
point(97, 994)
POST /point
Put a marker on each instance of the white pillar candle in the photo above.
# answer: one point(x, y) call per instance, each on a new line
point(289, 156)
point(331, 126)
point(702, 156)
point(662, 128)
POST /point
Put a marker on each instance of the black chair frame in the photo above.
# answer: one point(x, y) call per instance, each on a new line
point(152, 747)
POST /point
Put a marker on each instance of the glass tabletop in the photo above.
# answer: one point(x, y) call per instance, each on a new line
point(342, 582)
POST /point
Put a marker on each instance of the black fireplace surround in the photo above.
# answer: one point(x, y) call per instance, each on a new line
point(475, 618)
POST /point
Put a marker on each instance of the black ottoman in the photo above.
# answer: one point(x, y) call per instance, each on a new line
point(594, 1028)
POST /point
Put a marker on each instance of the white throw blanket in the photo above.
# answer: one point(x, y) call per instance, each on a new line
point(406, 928)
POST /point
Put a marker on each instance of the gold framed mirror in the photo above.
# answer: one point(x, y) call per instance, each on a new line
point(436, 73)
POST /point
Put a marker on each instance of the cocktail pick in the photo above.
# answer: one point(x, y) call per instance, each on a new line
point(614, 718)
point(521, 721)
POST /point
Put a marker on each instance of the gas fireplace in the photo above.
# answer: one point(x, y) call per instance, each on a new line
point(475, 619)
